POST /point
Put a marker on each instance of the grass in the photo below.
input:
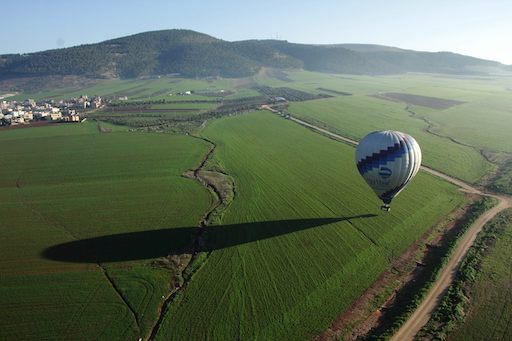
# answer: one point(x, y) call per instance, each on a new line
point(407, 299)
point(306, 236)
point(65, 183)
point(478, 303)
point(185, 105)
point(54, 130)
point(483, 122)
point(503, 181)
point(357, 115)
point(302, 239)
point(145, 89)
point(153, 115)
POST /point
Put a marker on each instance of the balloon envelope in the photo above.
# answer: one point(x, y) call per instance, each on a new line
point(388, 160)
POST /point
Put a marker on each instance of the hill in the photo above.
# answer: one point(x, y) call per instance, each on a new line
point(193, 54)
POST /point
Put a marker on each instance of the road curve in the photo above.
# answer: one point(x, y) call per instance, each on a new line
point(422, 314)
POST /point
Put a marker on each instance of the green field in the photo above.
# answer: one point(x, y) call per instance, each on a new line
point(167, 110)
point(303, 238)
point(490, 310)
point(481, 123)
point(454, 144)
point(146, 89)
point(184, 105)
point(344, 115)
point(66, 183)
point(91, 210)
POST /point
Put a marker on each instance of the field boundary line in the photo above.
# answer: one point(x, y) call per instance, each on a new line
point(217, 202)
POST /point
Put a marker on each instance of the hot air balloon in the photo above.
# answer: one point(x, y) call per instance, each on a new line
point(387, 161)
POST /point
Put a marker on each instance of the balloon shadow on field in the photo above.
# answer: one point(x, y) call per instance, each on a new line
point(163, 242)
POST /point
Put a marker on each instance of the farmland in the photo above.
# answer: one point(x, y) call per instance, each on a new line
point(69, 182)
point(451, 137)
point(343, 115)
point(137, 114)
point(445, 132)
point(490, 310)
point(460, 122)
point(329, 241)
point(301, 240)
point(477, 304)
point(152, 89)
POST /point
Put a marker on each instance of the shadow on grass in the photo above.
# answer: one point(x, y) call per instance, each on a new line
point(164, 242)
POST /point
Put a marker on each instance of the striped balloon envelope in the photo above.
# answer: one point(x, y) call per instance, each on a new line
point(387, 161)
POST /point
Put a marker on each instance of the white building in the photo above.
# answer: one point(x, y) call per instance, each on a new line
point(55, 116)
point(40, 114)
point(28, 116)
point(30, 102)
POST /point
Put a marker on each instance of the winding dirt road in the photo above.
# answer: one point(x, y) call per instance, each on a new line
point(422, 314)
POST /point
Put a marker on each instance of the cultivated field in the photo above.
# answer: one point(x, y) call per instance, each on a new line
point(455, 119)
point(65, 183)
point(453, 138)
point(490, 310)
point(303, 238)
point(92, 209)
point(150, 90)
point(356, 115)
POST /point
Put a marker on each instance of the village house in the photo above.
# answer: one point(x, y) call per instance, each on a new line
point(28, 116)
point(29, 103)
point(17, 120)
point(54, 116)
point(71, 118)
point(13, 112)
point(40, 115)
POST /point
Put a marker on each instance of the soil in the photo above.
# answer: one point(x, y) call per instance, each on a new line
point(424, 101)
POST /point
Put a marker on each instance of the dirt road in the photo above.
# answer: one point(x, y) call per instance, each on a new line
point(2, 96)
point(464, 186)
point(422, 314)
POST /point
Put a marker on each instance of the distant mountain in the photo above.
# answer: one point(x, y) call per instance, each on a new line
point(193, 54)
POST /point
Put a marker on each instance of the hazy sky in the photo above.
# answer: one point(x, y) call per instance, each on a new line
point(474, 27)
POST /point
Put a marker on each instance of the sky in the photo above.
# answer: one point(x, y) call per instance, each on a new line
point(473, 27)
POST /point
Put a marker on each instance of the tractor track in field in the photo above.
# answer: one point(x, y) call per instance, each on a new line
point(59, 226)
point(214, 209)
point(119, 294)
point(446, 276)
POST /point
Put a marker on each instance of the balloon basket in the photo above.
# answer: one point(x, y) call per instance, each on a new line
point(386, 208)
